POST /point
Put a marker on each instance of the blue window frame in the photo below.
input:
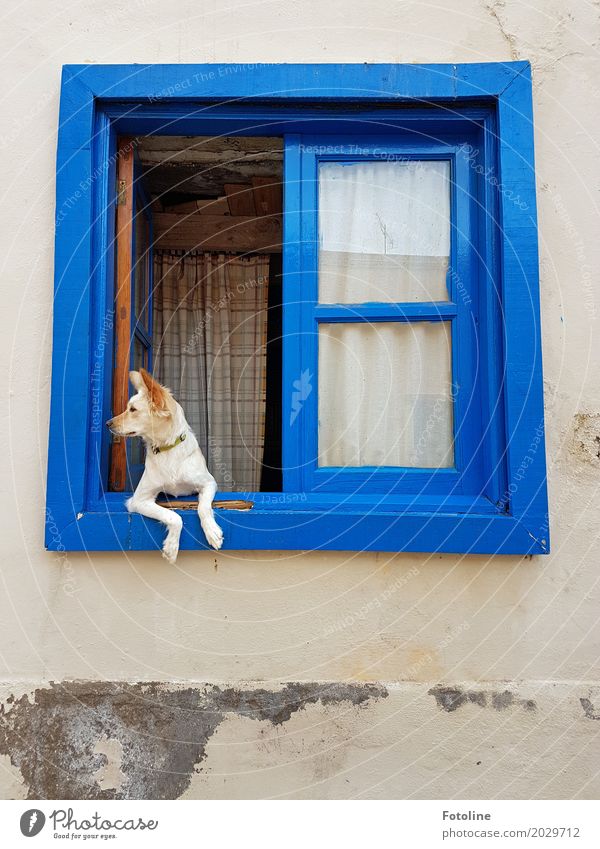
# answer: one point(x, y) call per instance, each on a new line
point(478, 118)
point(141, 307)
point(460, 312)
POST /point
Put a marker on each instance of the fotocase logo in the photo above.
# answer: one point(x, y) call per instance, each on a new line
point(302, 389)
point(32, 822)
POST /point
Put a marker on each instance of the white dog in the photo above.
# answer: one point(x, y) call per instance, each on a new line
point(174, 462)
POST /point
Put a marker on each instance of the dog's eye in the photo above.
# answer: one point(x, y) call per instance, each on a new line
point(132, 410)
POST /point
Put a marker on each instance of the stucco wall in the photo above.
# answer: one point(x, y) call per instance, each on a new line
point(483, 672)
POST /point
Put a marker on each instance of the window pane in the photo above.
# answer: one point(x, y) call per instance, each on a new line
point(140, 360)
point(136, 451)
point(140, 271)
point(140, 355)
point(384, 231)
point(385, 394)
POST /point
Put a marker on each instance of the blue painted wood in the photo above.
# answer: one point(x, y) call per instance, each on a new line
point(469, 325)
point(374, 312)
point(292, 317)
point(102, 304)
point(490, 297)
point(285, 118)
point(71, 402)
point(113, 502)
point(94, 108)
point(267, 82)
point(292, 530)
point(142, 333)
point(462, 311)
point(526, 492)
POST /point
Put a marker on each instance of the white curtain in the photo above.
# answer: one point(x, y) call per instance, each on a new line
point(210, 324)
point(385, 394)
point(384, 231)
point(384, 390)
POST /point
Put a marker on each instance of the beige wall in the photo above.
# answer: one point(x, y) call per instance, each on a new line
point(406, 621)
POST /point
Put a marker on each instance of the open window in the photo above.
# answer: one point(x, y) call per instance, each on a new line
point(388, 399)
point(337, 278)
point(198, 297)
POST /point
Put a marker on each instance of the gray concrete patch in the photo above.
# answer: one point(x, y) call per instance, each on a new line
point(61, 741)
point(451, 698)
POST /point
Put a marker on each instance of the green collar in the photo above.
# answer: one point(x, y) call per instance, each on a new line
point(158, 449)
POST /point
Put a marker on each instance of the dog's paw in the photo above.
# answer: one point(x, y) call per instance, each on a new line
point(214, 534)
point(170, 550)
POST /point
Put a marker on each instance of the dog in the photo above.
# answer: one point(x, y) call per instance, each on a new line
point(174, 462)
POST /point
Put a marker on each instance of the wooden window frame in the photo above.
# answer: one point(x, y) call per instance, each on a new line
point(101, 103)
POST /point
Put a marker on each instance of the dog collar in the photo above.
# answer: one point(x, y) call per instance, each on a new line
point(158, 449)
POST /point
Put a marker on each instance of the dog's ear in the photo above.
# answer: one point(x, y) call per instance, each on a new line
point(135, 378)
point(157, 394)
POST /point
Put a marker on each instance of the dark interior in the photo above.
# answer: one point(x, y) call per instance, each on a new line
point(218, 176)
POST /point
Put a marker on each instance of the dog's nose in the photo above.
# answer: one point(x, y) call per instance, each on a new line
point(109, 422)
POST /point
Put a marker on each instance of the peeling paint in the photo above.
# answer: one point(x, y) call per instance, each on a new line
point(110, 775)
point(589, 709)
point(103, 740)
point(451, 698)
point(585, 440)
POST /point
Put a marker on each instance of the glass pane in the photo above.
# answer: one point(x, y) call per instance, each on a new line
point(140, 354)
point(136, 451)
point(140, 271)
point(385, 394)
point(140, 360)
point(384, 231)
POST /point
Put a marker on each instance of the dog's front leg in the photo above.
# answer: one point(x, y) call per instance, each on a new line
point(148, 507)
point(212, 531)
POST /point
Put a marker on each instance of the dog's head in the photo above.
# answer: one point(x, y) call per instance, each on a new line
point(149, 412)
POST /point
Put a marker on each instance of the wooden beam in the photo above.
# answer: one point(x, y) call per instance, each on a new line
point(221, 505)
point(124, 234)
point(212, 151)
point(214, 206)
point(268, 195)
point(240, 198)
point(218, 232)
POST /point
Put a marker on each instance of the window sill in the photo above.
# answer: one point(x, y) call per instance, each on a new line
point(290, 527)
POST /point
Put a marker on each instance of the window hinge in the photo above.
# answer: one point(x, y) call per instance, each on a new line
point(121, 192)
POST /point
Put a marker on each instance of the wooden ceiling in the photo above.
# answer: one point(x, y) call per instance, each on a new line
point(179, 168)
point(218, 194)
